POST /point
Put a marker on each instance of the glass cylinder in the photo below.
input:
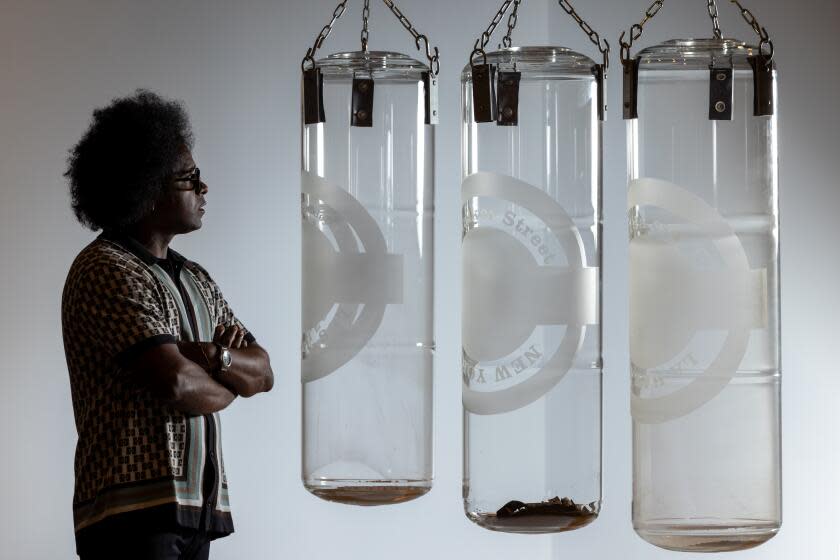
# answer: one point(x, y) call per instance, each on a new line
point(704, 301)
point(531, 258)
point(368, 251)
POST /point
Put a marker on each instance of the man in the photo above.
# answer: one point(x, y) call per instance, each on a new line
point(153, 349)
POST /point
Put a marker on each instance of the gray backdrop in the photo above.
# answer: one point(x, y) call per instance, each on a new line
point(236, 65)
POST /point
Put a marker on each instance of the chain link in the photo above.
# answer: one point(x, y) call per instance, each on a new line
point(322, 36)
point(507, 42)
point(763, 36)
point(481, 42)
point(602, 44)
point(365, 17)
point(433, 57)
point(638, 28)
point(713, 13)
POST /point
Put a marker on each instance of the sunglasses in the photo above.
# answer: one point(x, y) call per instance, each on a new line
point(194, 179)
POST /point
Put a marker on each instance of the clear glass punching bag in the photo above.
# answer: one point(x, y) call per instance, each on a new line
point(367, 206)
point(531, 257)
point(704, 296)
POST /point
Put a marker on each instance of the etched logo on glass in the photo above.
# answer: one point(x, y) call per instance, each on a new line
point(349, 278)
point(693, 301)
point(527, 293)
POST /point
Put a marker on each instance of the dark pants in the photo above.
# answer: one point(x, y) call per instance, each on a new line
point(184, 544)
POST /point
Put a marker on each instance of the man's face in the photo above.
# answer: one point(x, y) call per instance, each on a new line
point(181, 208)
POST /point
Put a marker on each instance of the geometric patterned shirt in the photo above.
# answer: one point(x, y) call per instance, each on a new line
point(135, 454)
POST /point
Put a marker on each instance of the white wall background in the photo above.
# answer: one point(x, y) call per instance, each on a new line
point(236, 65)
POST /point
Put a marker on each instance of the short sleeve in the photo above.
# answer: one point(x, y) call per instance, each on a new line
point(228, 318)
point(116, 307)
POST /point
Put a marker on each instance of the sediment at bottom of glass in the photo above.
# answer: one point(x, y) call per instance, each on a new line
point(701, 537)
point(368, 492)
point(551, 516)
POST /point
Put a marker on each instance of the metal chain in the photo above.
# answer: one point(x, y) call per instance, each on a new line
point(434, 58)
point(765, 46)
point(759, 30)
point(512, 19)
point(713, 13)
point(602, 44)
point(325, 32)
point(482, 41)
point(638, 28)
point(365, 17)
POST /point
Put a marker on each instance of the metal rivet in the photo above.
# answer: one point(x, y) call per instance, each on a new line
point(509, 83)
point(364, 86)
point(508, 112)
point(362, 115)
point(721, 77)
point(720, 106)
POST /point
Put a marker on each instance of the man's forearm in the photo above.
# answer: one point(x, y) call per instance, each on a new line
point(197, 393)
point(179, 380)
point(250, 372)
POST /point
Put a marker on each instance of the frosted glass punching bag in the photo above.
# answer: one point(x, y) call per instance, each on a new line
point(704, 295)
point(367, 202)
point(531, 257)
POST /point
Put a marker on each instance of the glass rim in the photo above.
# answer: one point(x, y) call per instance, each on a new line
point(370, 61)
point(542, 58)
point(696, 52)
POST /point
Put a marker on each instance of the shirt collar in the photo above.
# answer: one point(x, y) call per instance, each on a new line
point(134, 247)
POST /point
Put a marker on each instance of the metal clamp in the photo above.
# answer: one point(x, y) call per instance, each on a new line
point(483, 93)
point(507, 100)
point(600, 73)
point(313, 96)
point(631, 88)
point(361, 108)
point(431, 105)
point(721, 95)
point(764, 103)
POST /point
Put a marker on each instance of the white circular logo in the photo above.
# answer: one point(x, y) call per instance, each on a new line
point(348, 278)
point(508, 293)
point(672, 299)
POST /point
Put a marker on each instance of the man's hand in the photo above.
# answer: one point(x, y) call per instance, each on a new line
point(230, 337)
point(206, 354)
point(250, 372)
